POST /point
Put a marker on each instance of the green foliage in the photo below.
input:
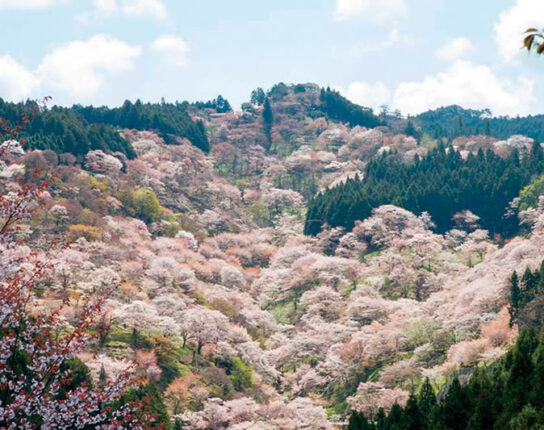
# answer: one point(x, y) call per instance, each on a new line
point(411, 130)
point(523, 291)
point(506, 396)
point(278, 91)
point(241, 375)
point(453, 121)
point(156, 405)
point(357, 421)
point(80, 374)
point(338, 108)
point(143, 204)
point(220, 104)
point(257, 96)
point(64, 130)
point(166, 118)
point(421, 331)
point(268, 120)
point(78, 130)
point(528, 198)
point(168, 359)
point(284, 313)
point(441, 184)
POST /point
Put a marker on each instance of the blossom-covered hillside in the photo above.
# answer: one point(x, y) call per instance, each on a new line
point(237, 318)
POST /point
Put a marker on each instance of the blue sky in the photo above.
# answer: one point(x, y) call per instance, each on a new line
point(409, 54)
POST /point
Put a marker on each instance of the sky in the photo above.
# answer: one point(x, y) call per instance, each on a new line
point(412, 55)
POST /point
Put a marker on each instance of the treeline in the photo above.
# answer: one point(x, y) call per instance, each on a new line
point(338, 108)
point(507, 395)
point(331, 104)
point(220, 104)
point(442, 183)
point(525, 290)
point(78, 130)
point(454, 121)
point(166, 118)
point(63, 130)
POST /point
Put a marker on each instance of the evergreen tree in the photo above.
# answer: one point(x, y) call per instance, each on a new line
point(426, 402)
point(411, 130)
point(520, 376)
point(268, 119)
point(357, 421)
point(441, 183)
point(506, 396)
point(413, 418)
point(456, 407)
point(395, 418)
point(515, 298)
point(258, 96)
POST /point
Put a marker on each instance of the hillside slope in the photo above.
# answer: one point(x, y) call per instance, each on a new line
point(239, 318)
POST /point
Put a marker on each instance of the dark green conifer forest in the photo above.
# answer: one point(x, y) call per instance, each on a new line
point(338, 108)
point(78, 130)
point(453, 121)
point(505, 395)
point(442, 183)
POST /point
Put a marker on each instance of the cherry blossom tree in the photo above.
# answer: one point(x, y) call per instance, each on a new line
point(37, 388)
point(205, 326)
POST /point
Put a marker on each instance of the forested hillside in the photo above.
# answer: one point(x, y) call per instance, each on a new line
point(454, 121)
point(441, 183)
point(507, 394)
point(196, 301)
point(78, 130)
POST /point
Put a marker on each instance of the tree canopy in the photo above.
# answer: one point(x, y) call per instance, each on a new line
point(442, 184)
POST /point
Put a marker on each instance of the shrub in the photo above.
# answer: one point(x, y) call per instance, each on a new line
point(241, 375)
point(146, 205)
point(90, 233)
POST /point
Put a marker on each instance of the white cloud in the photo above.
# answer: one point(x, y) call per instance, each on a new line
point(173, 49)
point(454, 49)
point(373, 9)
point(16, 82)
point(29, 4)
point(79, 67)
point(468, 85)
point(513, 22)
point(367, 95)
point(139, 8)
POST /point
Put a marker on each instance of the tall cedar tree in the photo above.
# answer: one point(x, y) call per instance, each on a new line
point(268, 120)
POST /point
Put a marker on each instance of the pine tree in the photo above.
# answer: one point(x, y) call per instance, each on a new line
point(268, 119)
point(537, 383)
point(530, 286)
point(515, 298)
point(413, 418)
point(456, 407)
point(357, 421)
point(395, 418)
point(381, 420)
point(482, 398)
point(519, 381)
point(426, 401)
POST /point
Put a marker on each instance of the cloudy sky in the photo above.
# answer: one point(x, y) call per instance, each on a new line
point(410, 54)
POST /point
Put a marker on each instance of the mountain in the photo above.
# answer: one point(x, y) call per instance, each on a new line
point(190, 218)
point(454, 121)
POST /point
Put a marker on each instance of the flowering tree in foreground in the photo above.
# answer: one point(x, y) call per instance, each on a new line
point(42, 384)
